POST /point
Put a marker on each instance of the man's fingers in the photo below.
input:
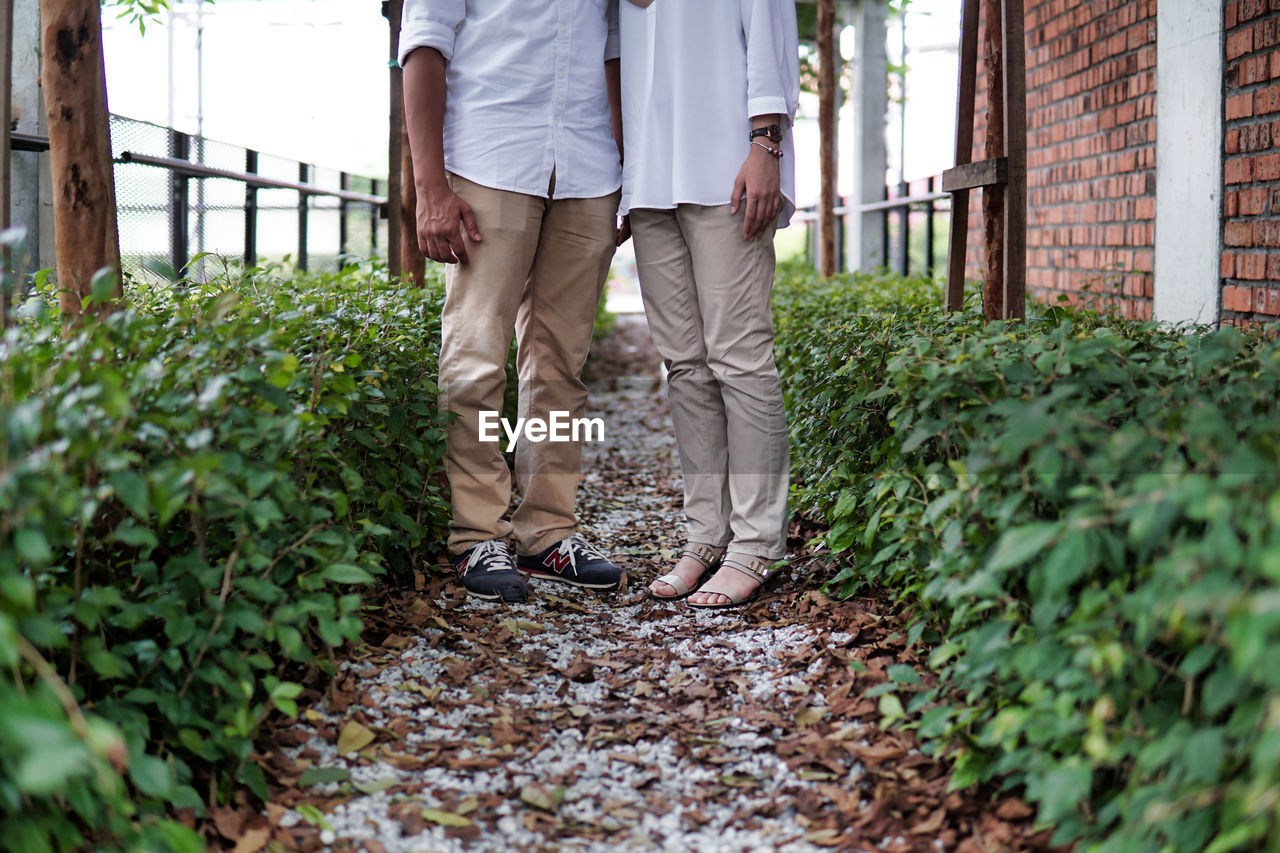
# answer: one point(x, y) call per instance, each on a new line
point(458, 247)
point(469, 221)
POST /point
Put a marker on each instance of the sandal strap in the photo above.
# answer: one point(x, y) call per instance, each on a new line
point(676, 582)
point(756, 568)
point(708, 555)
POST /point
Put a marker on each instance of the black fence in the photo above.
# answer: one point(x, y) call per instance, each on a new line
point(180, 196)
point(914, 221)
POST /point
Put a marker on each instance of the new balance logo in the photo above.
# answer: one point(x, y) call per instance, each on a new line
point(558, 562)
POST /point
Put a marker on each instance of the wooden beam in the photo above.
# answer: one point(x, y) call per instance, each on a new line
point(959, 239)
point(84, 199)
point(826, 130)
point(392, 9)
point(972, 176)
point(993, 205)
point(1015, 138)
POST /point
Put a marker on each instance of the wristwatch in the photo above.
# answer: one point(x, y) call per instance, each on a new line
point(773, 132)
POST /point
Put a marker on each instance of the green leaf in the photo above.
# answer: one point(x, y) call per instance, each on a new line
point(323, 775)
point(1021, 544)
point(152, 776)
point(345, 573)
point(46, 770)
point(33, 547)
point(445, 818)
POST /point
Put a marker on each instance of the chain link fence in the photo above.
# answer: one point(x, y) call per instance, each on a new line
point(180, 197)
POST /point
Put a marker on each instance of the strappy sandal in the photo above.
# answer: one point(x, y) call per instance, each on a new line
point(708, 555)
point(757, 568)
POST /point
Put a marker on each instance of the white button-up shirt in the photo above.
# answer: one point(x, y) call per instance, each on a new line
point(526, 90)
point(694, 73)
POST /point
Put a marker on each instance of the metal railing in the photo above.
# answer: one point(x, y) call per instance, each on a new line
point(180, 196)
point(906, 209)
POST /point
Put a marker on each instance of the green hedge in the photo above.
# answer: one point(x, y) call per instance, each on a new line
point(1086, 514)
point(195, 493)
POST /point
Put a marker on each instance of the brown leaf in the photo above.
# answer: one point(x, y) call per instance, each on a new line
point(253, 840)
point(354, 737)
point(1014, 810)
point(229, 822)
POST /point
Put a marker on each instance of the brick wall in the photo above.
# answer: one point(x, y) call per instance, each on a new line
point(1091, 135)
point(1251, 167)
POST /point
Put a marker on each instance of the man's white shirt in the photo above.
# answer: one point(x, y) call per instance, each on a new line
point(694, 72)
point(526, 90)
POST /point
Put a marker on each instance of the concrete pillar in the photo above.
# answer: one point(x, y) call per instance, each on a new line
point(1189, 57)
point(28, 116)
point(871, 104)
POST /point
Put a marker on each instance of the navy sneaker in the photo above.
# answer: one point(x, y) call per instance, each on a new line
point(487, 571)
point(573, 561)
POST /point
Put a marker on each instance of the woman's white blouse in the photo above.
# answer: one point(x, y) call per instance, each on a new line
point(694, 72)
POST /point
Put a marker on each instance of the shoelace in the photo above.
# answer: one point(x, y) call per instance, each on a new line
point(567, 549)
point(485, 550)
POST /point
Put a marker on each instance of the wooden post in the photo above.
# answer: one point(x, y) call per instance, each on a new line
point(959, 238)
point(413, 263)
point(826, 130)
point(84, 201)
point(993, 196)
point(6, 125)
point(1003, 175)
point(392, 9)
point(1015, 136)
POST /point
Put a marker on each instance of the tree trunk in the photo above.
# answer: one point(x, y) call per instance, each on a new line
point(84, 199)
point(412, 262)
point(826, 130)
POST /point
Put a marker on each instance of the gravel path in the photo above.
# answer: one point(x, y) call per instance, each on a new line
point(600, 723)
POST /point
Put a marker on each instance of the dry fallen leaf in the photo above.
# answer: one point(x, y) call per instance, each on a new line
point(253, 840)
point(354, 737)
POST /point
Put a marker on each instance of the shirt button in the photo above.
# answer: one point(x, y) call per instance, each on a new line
point(564, 29)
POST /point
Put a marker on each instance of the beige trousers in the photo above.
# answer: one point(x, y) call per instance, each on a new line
point(706, 294)
point(539, 271)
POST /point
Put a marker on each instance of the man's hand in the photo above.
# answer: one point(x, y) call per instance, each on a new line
point(624, 230)
point(442, 219)
point(759, 182)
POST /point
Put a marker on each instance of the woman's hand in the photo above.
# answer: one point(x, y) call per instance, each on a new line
point(759, 182)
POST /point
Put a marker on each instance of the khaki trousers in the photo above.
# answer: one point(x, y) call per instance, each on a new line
point(539, 270)
point(706, 294)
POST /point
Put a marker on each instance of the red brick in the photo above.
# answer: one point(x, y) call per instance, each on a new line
point(1252, 202)
point(1237, 299)
point(1239, 106)
point(1238, 234)
point(1239, 43)
point(1228, 265)
point(1238, 170)
point(1251, 267)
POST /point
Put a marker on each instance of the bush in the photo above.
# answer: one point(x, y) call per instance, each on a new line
point(196, 492)
point(1087, 513)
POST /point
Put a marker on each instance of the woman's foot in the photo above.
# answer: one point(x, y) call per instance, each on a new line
point(695, 561)
point(737, 582)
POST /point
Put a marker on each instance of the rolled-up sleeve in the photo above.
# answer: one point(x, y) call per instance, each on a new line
point(430, 23)
point(613, 42)
point(773, 57)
